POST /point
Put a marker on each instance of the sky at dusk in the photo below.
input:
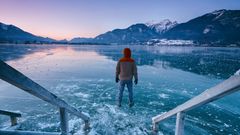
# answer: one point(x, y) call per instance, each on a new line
point(60, 19)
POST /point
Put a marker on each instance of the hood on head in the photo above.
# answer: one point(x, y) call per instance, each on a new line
point(127, 53)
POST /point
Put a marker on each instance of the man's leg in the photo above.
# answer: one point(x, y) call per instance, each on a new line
point(120, 92)
point(130, 93)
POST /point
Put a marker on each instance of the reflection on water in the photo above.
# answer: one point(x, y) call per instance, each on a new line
point(214, 62)
point(217, 62)
point(84, 77)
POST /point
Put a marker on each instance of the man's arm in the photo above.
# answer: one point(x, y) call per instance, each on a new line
point(117, 71)
point(135, 74)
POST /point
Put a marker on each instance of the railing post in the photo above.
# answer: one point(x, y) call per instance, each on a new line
point(86, 125)
point(180, 123)
point(13, 120)
point(64, 121)
point(155, 127)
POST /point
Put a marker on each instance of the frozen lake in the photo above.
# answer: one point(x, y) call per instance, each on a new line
point(84, 76)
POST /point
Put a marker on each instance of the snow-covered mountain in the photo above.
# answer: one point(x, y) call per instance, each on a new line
point(162, 26)
point(137, 33)
point(220, 27)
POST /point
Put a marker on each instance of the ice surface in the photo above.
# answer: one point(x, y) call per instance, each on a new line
point(84, 77)
point(82, 95)
point(162, 95)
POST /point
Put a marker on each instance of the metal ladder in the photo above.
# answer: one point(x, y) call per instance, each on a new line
point(14, 77)
point(223, 89)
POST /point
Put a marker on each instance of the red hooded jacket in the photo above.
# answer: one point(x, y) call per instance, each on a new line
point(126, 67)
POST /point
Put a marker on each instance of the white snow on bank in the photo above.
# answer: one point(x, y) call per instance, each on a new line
point(169, 42)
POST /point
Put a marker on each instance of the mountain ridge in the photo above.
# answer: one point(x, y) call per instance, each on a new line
point(133, 34)
point(217, 28)
point(220, 26)
point(13, 34)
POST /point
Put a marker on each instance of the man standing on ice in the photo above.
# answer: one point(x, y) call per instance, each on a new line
point(125, 70)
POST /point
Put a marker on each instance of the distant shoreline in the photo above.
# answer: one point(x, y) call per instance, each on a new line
point(82, 44)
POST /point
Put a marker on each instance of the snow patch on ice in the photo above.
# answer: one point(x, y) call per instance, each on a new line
point(156, 103)
point(66, 88)
point(86, 114)
point(45, 125)
point(162, 95)
point(82, 95)
point(226, 125)
point(118, 121)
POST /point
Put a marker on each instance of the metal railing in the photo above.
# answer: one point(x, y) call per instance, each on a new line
point(13, 116)
point(14, 77)
point(223, 89)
